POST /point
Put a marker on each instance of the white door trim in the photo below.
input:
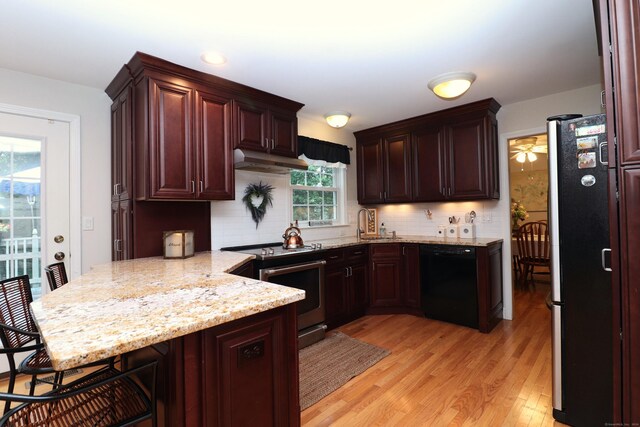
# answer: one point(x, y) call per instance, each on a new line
point(75, 173)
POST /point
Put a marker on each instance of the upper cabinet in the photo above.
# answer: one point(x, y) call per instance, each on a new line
point(384, 176)
point(447, 155)
point(267, 129)
point(174, 130)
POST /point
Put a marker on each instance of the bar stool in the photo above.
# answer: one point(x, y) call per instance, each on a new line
point(56, 275)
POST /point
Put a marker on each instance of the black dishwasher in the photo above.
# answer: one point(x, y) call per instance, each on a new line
point(448, 284)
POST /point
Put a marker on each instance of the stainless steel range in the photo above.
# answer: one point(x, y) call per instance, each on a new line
point(301, 268)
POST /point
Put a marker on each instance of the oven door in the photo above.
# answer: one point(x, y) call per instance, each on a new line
point(309, 277)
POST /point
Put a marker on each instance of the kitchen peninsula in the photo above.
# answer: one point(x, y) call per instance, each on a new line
point(210, 332)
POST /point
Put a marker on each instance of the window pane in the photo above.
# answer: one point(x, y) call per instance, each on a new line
point(315, 197)
point(315, 212)
point(313, 179)
point(300, 197)
point(300, 213)
point(315, 168)
point(328, 213)
point(297, 177)
point(327, 180)
point(329, 197)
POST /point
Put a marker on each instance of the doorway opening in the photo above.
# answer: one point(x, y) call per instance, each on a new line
point(528, 193)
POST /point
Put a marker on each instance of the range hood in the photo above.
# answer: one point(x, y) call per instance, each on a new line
point(267, 163)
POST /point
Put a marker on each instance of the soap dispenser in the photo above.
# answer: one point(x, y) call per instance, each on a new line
point(383, 230)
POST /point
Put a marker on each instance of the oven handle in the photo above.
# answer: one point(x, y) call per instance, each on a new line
point(291, 269)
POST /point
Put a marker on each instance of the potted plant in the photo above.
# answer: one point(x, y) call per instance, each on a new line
point(518, 213)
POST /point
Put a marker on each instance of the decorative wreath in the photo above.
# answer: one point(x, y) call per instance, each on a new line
point(258, 191)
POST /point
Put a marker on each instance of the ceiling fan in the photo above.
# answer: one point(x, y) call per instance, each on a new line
point(526, 149)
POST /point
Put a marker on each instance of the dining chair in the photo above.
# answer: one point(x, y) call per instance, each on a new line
point(533, 249)
point(19, 334)
point(106, 397)
point(56, 275)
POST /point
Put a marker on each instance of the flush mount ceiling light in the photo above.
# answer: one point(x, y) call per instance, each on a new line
point(451, 85)
point(213, 58)
point(337, 119)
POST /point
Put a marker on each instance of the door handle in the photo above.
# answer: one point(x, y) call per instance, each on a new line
point(602, 144)
point(59, 256)
point(604, 266)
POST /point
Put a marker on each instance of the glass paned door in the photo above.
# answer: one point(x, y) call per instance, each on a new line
point(20, 225)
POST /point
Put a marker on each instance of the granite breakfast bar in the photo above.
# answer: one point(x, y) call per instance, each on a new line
point(226, 345)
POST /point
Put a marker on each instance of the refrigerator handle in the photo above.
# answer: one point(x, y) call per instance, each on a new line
point(604, 263)
point(602, 144)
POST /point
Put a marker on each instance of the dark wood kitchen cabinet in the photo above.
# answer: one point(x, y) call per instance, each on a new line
point(241, 373)
point(122, 146)
point(264, 128)
point(346, 284)
point(411, 275)
point(172, 143)
point(386, 273)
point(447, 155)
point(620, 36)
point(385, 172)
point(489, 282)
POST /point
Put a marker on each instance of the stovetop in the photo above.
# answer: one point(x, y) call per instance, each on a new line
point(265, 251)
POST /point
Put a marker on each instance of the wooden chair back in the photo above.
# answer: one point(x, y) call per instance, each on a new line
point(533, 242)
point(15, 297)
point(56, 275)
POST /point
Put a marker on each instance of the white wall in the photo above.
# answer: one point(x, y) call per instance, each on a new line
point(92, 105)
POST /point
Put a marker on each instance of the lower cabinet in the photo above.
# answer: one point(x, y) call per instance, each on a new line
point(241, 373)
point(489, 277)
point(395, 278)
point(346, 285)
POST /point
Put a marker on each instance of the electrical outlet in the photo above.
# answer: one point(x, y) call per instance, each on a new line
point(487, 217)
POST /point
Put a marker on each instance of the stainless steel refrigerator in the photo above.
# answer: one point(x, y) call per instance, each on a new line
point(581, 294)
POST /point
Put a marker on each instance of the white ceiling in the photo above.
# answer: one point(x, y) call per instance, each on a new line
point(372, 58)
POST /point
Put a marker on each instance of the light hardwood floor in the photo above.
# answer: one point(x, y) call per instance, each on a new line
point(440, 374)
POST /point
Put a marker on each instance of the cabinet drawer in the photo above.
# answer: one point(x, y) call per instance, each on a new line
point(356, 253)
point(334, 256)
point(385, 249)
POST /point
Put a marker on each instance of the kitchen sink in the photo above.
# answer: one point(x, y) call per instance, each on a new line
point(379, 238)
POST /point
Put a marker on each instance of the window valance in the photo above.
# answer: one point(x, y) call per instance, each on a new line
point(329, 152)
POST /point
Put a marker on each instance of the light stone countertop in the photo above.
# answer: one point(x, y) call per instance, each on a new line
point(432, 240)
point(126, 305)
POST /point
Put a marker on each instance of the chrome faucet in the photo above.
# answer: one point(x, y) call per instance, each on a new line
point(359, 230)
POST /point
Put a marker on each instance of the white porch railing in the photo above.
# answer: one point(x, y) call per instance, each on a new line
point(19, 256)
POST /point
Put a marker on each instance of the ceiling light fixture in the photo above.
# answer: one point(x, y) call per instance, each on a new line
point(451, 85)
point(337, 119)
point(213, 58)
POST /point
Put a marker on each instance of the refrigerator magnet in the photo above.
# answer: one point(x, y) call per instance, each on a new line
point(586, 160)
point(587, 143)
point(590, 130)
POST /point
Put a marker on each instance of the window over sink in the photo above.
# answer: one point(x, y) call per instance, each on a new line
point(317, 196)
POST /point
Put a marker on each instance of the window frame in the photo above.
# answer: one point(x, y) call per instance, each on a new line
point(340, 184)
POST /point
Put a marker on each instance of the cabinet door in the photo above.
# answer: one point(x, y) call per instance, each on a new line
point(428, 148)
point(630, 254)
point(121, 146)
point(283, 133)
point(411, 275)
point(250, 123)
point(397, 168)
point(466, 160)
point(626, 75)
point(385, 283)
point(214, 151)
point(335, 291)
point(370, 171)
point(359, 286)
point(171, 166)
point(121, 230)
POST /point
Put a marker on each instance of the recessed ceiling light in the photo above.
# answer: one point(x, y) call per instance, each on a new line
point(213, 58)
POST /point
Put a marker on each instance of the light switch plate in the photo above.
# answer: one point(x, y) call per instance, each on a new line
point(87, 223)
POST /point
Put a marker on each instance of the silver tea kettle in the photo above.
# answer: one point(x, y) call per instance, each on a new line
point(292, 238)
